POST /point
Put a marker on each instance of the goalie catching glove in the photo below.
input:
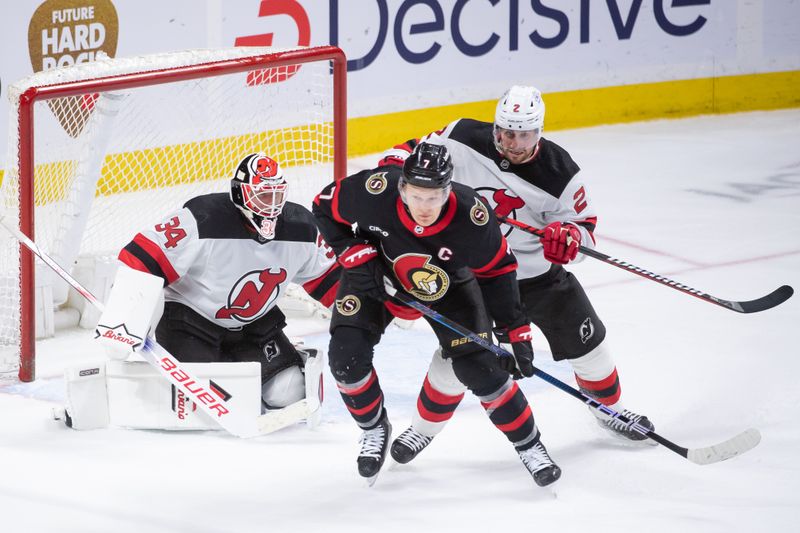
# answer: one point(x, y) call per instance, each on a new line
point(521, 365)
point(132, 307)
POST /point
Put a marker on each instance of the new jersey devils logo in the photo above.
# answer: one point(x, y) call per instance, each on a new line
point(417, 276)
point(252, 295)
point(504, 204)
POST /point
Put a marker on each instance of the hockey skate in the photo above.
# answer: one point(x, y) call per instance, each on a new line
point(408, 445)
point(374, 445)
point(540, 465)
point(624, 431)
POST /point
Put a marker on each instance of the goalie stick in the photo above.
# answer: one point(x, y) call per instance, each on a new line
point(171, 369)
point(732, 447)
point(775, 298)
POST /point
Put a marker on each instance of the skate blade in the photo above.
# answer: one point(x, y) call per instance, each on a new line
point(371, 480)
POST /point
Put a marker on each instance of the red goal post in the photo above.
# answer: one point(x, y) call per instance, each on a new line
point(97, 150)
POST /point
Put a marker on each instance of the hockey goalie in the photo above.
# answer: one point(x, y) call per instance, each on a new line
point(205, 281)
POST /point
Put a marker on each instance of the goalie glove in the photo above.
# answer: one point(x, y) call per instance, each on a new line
point(521, 365)
point(133, 305)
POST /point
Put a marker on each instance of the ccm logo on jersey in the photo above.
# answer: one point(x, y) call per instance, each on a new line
point(119, 334)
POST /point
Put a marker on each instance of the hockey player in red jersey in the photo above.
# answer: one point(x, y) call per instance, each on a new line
point(526, 177)
point(441, 244)
point(223, 260)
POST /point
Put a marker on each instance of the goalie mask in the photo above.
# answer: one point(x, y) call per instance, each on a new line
point(258, 189)
point(518, 123)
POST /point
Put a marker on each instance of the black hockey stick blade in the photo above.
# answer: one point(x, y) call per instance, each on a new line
point(744, 441)
point(775, 298)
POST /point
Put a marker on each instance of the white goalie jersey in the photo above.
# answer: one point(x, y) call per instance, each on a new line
point(216, 264)
point(544, 190)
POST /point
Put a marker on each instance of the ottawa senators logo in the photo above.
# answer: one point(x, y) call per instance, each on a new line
point(349, 305)
point(417, 276)
point(252, 295)
point(504, 204)
point(376, 183)
point(479, 214)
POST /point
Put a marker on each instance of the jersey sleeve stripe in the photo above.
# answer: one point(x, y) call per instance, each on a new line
point(323, 288)
point(501, 253)
point(498, 271)
point(335, 206)
point(135, 257)
point(154, 252)
point(135, 263)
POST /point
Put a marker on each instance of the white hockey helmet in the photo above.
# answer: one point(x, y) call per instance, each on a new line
point(519, 116)
point(520, 108)
point(258, 189)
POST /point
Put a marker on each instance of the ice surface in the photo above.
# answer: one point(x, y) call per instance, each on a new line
point(713, 202)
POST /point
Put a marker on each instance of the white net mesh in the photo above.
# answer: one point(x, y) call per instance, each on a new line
point(108, 164)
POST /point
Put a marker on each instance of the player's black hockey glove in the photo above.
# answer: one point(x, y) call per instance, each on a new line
point(520, 339)
point(363, 271)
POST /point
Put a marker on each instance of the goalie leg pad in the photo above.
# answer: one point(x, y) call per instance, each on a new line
point(285, 387)
point(139, 398)
point(315, 363)
point(87, 399)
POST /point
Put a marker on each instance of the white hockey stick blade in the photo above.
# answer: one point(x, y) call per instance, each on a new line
point(741, 443)
point(280, 418)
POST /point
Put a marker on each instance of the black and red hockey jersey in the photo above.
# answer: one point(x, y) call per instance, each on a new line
point(214, 262)
point(465, 241)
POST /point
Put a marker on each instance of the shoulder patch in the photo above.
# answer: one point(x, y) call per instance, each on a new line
point(376, 183)
point(478, 214)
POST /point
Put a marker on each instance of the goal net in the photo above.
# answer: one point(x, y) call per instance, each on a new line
point(101, 150)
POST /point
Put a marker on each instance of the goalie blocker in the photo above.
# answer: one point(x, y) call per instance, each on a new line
point(131, 394)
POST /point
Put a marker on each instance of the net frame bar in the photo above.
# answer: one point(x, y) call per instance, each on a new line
point(27, 99)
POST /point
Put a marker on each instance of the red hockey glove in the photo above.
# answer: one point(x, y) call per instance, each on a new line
point(363, 272)
point(560, 242)
point(522, 362)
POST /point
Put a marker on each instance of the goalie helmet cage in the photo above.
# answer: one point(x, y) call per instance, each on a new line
point(100, 150)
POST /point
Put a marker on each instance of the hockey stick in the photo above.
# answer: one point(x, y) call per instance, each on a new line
point(172, 370)
point(775, 298)
point(732, 447)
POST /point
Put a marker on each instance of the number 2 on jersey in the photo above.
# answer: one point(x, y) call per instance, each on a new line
point(580, 200)
point(172, 232)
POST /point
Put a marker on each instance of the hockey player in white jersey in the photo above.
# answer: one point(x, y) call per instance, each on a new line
point(221, 262)
point(529, 178)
